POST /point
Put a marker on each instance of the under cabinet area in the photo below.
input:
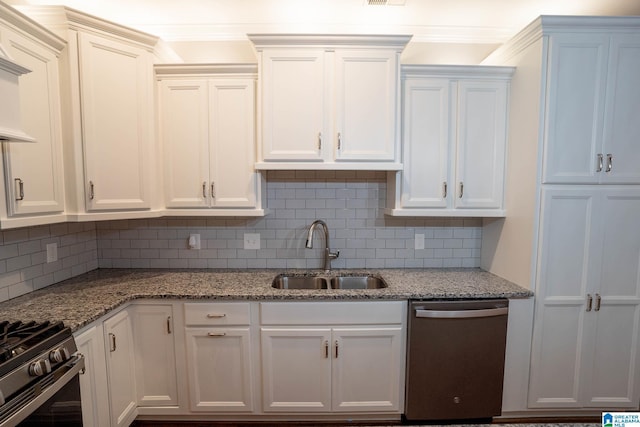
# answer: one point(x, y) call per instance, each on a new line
point(454, 142)
point(333, 356)
point(207, 116)
point(343, 92)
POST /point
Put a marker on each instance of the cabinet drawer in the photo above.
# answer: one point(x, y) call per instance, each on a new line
point(332, 313)
point(205, 314)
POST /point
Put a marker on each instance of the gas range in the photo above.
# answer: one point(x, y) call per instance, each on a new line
point(36, 361)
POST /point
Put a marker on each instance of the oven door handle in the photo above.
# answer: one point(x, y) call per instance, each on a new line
point(75, 364)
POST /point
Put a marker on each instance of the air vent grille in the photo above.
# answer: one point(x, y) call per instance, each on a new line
point(385, 2)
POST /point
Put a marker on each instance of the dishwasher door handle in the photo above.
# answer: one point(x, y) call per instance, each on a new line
point(461, 314)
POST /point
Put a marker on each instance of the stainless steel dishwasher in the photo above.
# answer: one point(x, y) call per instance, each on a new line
point(455, 359)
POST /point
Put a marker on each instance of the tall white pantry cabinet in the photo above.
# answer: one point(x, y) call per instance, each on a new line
point(573, 200)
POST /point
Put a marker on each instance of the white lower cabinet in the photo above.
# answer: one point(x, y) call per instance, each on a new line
point(120, 369)
point(94, 390)
point(339, 357)
point(586, 341)
point(153, 336)
point(218, 348)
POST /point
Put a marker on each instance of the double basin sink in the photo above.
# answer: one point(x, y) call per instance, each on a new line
point(364, 281)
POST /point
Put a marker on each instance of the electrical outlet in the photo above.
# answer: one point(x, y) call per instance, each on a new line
point(52, 252)
point(419, 243)
point(194, 241)
point(252, 240)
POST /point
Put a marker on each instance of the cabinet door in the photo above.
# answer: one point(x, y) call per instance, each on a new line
point(574, 108)
point(426, 145)
point(232, 141)
point(612, 367)
point(296, 370)
point(94, 391)
point(117, 120)
point(219, 369)
point(622, 127)
point(367, 369)
point(293, 104)
point(120, 369)
point(366, 104)
point(481, 145)
point(184, 112)
point(33, 171)
point(565, 275)
point(156, 376)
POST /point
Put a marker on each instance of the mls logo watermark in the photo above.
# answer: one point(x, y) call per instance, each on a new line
point(621, 419)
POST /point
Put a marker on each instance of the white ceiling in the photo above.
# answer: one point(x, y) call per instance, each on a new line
point(448, 21)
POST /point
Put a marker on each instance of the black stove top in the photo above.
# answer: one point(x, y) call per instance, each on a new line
point(20, 341)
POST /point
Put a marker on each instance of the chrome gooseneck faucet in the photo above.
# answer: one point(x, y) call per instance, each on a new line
point(328, 255)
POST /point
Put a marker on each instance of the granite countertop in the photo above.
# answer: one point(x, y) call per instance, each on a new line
point(83, 299)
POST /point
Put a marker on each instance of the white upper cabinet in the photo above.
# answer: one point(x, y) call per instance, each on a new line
point(33, 172)
point(328, 102)
point(592, 95)
point(117, 122)
point(208, 136)
point(454, 141)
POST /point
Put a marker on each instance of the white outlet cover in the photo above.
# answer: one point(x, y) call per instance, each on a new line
point(419, 243)
point(252, 240)
point(52, 252)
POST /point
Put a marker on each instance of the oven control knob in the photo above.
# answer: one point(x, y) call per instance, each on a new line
point(39, 368)
point(59, 355)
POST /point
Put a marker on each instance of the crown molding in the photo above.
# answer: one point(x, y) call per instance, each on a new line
point(23, 23)
point(179, 70)
point(458, 71)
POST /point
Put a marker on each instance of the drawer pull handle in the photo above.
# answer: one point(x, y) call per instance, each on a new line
point(598, 302)
point(112, 339)
point(589, 302)
point(216, 334)
point(336, 344)
point(444, 190)
point(609, 163)
point(461, 189)
point(216, 315)
point(326, 349)
point(168, 324)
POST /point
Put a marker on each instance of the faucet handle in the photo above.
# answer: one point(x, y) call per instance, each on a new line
point(334, 255)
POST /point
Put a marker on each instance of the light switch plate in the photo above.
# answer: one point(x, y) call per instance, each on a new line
point(52, 252)
point(252, 240)
point(419, 243)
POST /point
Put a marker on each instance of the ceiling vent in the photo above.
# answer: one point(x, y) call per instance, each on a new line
point(10, 124)
point(385, 2)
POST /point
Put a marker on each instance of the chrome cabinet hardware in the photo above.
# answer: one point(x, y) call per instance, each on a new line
point(20, 189)
point(213, 190)
point(589, 302)
point(204, 189)
point(598, 302)
point(319, 140)
point(91, 191)
point(336, 344)
point(609, 162)
point(461, 189)
point(326, 349)
point(339, 141)
point(217, 334)
point(168, 324)
point(444, 190)
point(600, 162)
point(216, 315)
point(112, 342)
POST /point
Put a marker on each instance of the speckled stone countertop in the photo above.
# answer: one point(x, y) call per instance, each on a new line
point(83, 299)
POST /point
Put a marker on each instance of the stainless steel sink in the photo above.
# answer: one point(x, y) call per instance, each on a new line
point(299, 282)
point(366, 281)
point(357, 282)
